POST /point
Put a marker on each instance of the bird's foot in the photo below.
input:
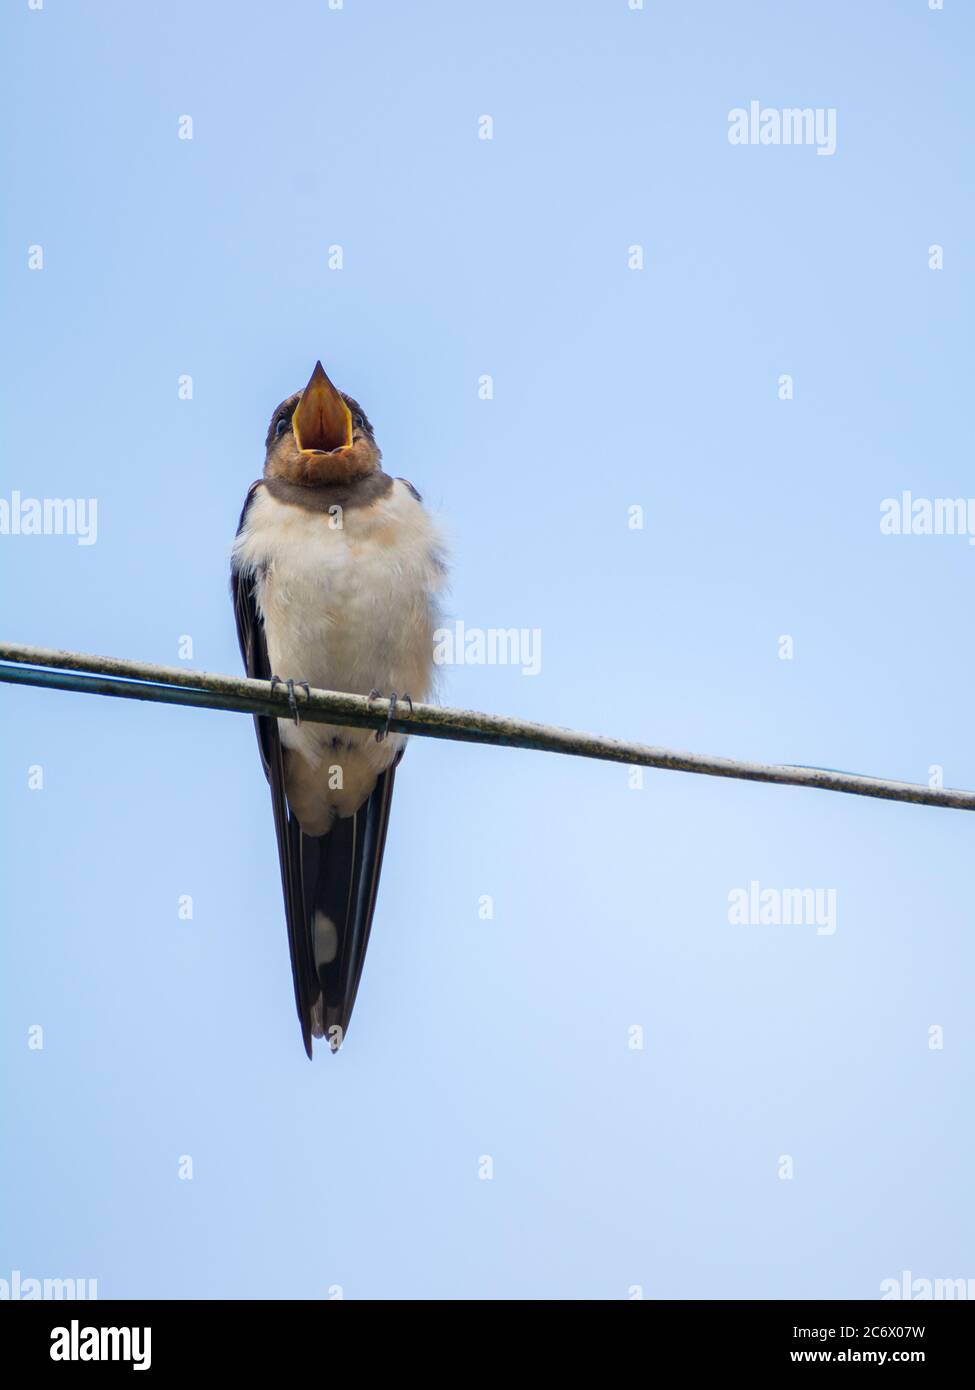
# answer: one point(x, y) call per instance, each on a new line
point(382, 732)
point(292, 701)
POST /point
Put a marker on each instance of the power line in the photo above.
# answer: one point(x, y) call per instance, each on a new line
point(138, 680)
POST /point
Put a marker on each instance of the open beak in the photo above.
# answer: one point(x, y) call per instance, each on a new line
point(322, 421)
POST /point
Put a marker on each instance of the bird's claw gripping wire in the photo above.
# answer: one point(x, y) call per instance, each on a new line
point(290, 686)
point(382, 732)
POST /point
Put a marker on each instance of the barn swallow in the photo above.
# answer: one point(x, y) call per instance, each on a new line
point(335, 574)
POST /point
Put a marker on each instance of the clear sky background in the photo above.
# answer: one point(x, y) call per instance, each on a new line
point(613, 388)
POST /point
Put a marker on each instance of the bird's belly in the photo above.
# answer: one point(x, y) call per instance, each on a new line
point(351, 608)
point(348, 630)
point(349, 617)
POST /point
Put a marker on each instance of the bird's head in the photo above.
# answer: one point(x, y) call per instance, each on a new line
point(319, 436)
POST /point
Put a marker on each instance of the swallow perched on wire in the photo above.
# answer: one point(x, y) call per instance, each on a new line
point(335, 574)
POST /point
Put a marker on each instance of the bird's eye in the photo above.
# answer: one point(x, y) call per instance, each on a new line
point(358, 422)
point(280, 427)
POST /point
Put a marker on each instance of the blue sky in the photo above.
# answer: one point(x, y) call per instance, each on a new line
point(614, 1167)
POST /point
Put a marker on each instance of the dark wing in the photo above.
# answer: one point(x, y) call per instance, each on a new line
point(253, 648)
point(340, 878)
point(336, 875)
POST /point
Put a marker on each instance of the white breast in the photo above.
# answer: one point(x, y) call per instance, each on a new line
point(348, 602)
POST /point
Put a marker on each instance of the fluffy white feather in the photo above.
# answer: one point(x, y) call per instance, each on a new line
point(348, 602)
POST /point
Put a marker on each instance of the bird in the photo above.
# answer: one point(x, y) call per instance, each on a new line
point(337, 572)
